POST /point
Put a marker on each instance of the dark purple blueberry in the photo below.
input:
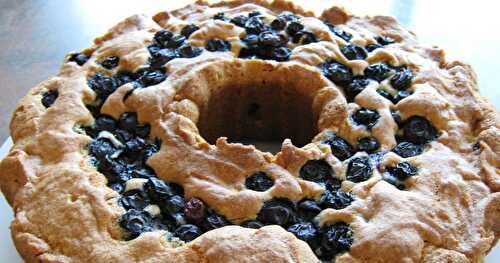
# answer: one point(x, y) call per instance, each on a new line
point(402, 94)
point(336, 199)
point(278, 24)
point(372, 47)
point(254, 25)
point(340, 148)
point(49, 97)
point(143, 130)
point(110, 62)
point(259, 181)
point(213, 221)
point(162, 57)
point(394, 181)
point(419, 130)
point(402, 170)
point(143, 172)
point(172, 205)
point(280, 54)
point(134, 199)
point(318, 171)
point(288, 16)
point(105, 123)
point(124, 77)
point(366, 117)
point(254, 13)
point(337, 72)
point(278, 211)
point(177, 219)
point(251, 40)
point(294, 27)
point(378, 71)
point(123, 135)
point(135, 222)
point(269, 39)
point(385, 94)
point(252, 224)
point(176, 41)
point(239, 20)
point(188, 30)
point(402, 79)
point(385, 40)
point(135, 145)
point(102, 85)
point(214, 45)
point(368, 144)
point(308, 209)
point(359, 169)
point(304, 231)
point(397, 117)
point(149, 150)
point(78, 58)
point(304, 38)
point(158, 190)
point(101, 148)
point(357, 85)
point(154, 49)
point(220, 16)
point(128, 121)
point(353, 52)
point(162, 37)
point(336, 238)
point(195, 210)
point(377, 157)
point(339, 32)
point(117, 187)
point(149, 77)
point(187, 232)
point(188, 51)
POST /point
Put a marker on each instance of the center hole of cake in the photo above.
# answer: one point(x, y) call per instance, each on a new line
point(261, 115)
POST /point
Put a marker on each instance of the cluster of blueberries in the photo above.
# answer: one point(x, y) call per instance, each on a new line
point(121, 148)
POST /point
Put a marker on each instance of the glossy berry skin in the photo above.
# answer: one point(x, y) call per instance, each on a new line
point(402, 79)
point(368, 144)
point(359, 169)
point(128, 121)
point(402, 94)
point(318, 171)
point(254, 25)
point(269, 39)
point(308, 209)
point(176, 41)
point(214, 45)
point(385, 94)
point(357, 85)
point(304, 37)
point(49, 97)
point(214, 221)
point(161, 57)
point(149, 77)
point(338, 32)
point(372, 47)
point(135, 222)
point(336, 72)
point(378, 71)
point(366, 117)
point(278, 24)
point(105, 123)
point(294, 27)
point(162, 37)
point(259, 181)
point(158, 190)
point(353, 52)
point(172, 205)
point(402, 170)
point(102, 85)
point(195, 210)
point(419, 130)
point(110, 62)
point(336, 199)
point(187, 232)
point(277, 211)
point(101, 148)
point(134, 199)
point(304, 231)
point(340, 148)
point(188, 30)
point(336, 238)
point(407, 149)
point(78, 58)
point(252, 224)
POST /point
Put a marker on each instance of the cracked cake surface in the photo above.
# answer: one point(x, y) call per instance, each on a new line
point(131, 153)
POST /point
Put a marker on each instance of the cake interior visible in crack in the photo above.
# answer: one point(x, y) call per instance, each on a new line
point(263, 114)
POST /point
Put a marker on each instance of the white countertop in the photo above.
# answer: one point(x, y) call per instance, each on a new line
point(9, 253)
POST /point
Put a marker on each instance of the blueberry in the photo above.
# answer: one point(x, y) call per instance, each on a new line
point(385, 94)
point(128, 121)
point(188, 30)
point(162, 57)
point(149, 77)
point(117, 187)
point(277, 211)
point(102, 85)
point(143, 130)
point(402, 78)
point(251, 40)
point(110, 62)
point(357, 85)
point(308, 209)
point(366, 117)
point(49, 97)
point(78, 58)
point(402, 170)
point(162, 37)
point(336, 199)
point(378, 71)
point(338, 32)
point(213, 221)
point(123, 77)
point(254, 13)
point(294, 27)
point(336, 72)
point(304, 38)
point(149, 150)
point(368, 144)
point(372, 47)
point(220, 16)
point(123, 135)
point(135, 145)
point(142, 172)
point(278, 24)
point(419, 130)
point(269, 39)
point(280, 54)
point(135, 222)
point(188, 51)
point(176, 41)
point(336, 238)
point(195, 210)
point(239, 20)
point(178, 219)
point(318, 171)
point(105, 123)
point(101, 148)
point(187, 232)
point(353, 52)
point(359, 169)
point(252, 224)
point(402, 94)
point(259, 181)
point(134, 199)
point(304, 231)
point(377, 157)
point(214, 45)
point(254, 25)
point(397, 117)
point(340, 148)
point(173, 205)
point(385, 40)
point(158, 190)
point(394, 181)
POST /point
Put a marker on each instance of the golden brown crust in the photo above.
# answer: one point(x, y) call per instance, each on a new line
point(65, 212)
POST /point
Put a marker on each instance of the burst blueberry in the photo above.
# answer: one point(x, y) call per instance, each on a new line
point(359, 169)
point(336, 199)
point(353, 52)
point(368, 144)
point(402, 170)
point(336, 238)
point(378, 71)
point(162, 37)
point(195, 210)
point(304, 231)
point(357, 85)
point(135, 222)
point(134, 199)
point(187, 232)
